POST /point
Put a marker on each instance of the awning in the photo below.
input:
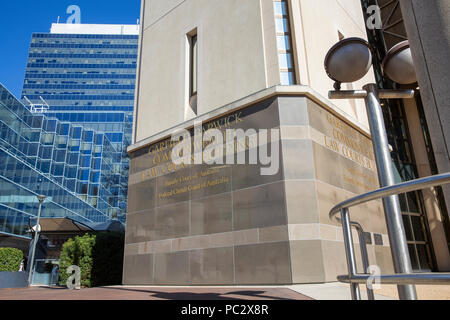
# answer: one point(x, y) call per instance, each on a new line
point(110, 226)
point(62, 225)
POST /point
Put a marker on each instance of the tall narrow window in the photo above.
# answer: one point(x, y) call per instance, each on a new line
point(284, 42)
point(193, 77)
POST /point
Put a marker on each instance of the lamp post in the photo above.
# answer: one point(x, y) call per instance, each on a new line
point(41, 199)
point(349, 61)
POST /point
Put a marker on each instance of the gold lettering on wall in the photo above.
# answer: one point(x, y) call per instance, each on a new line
point(161, 153)
point(348, 142)
point(222, 123)
point(193, 186)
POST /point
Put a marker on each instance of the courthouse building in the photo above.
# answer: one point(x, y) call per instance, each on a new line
point(258, 64)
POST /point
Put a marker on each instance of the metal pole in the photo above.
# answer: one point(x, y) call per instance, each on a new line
point(362, 94)
point(394, 222)
point(350, 252)
point(36, 239)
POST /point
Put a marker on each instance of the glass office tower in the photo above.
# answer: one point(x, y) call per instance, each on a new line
point(86, 74)
point(39, 155)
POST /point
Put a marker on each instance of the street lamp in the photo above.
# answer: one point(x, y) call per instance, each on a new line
point(41, 199)
point(349, 61)
point(398, 64)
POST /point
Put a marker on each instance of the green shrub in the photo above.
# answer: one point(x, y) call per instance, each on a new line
point(100, 258)
point(78, 252)
point(10, 259)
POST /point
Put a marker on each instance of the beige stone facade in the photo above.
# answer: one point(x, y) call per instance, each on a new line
point(228, 224)
point(238, 54)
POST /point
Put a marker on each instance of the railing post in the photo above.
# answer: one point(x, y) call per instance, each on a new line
point(350, 252)
point(364, 257)
point(402, 280)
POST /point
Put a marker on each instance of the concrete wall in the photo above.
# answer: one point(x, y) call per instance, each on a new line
point(433, 211)
point(316, 28)
point(230, 225)
point(231, 55)
point(237, 54)
point(428, 26)
point(245, 228)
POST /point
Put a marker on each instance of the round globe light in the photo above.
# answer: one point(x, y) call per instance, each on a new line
point(398, 64)
point(349, 60)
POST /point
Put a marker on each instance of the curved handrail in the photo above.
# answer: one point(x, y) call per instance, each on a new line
point(405, 187)
point(399, 278)
point(353, 278)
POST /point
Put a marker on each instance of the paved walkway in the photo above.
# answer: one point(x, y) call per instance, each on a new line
point(334, 291)
point(153, 293)
point(424, 292)
point(340, 291)
point(327, 291)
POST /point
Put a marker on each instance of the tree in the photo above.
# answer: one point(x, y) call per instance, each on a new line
point(99, 257)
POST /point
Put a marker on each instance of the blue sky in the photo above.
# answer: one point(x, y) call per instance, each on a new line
point(20, 18)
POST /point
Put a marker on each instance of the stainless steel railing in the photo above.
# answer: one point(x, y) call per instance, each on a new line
point(353, 278)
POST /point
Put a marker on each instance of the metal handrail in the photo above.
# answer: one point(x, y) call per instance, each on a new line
point(430, 278)
point(353, 278)
point(405, 187)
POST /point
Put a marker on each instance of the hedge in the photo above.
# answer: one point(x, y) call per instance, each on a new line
point(100, 258)
point(10, 259)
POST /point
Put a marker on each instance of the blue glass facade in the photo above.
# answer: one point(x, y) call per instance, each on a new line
point(42, 155)
point(88, 80)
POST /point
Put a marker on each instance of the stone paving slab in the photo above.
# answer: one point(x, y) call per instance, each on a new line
point(424, 292)
point(333, 291)
point(152, 293)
